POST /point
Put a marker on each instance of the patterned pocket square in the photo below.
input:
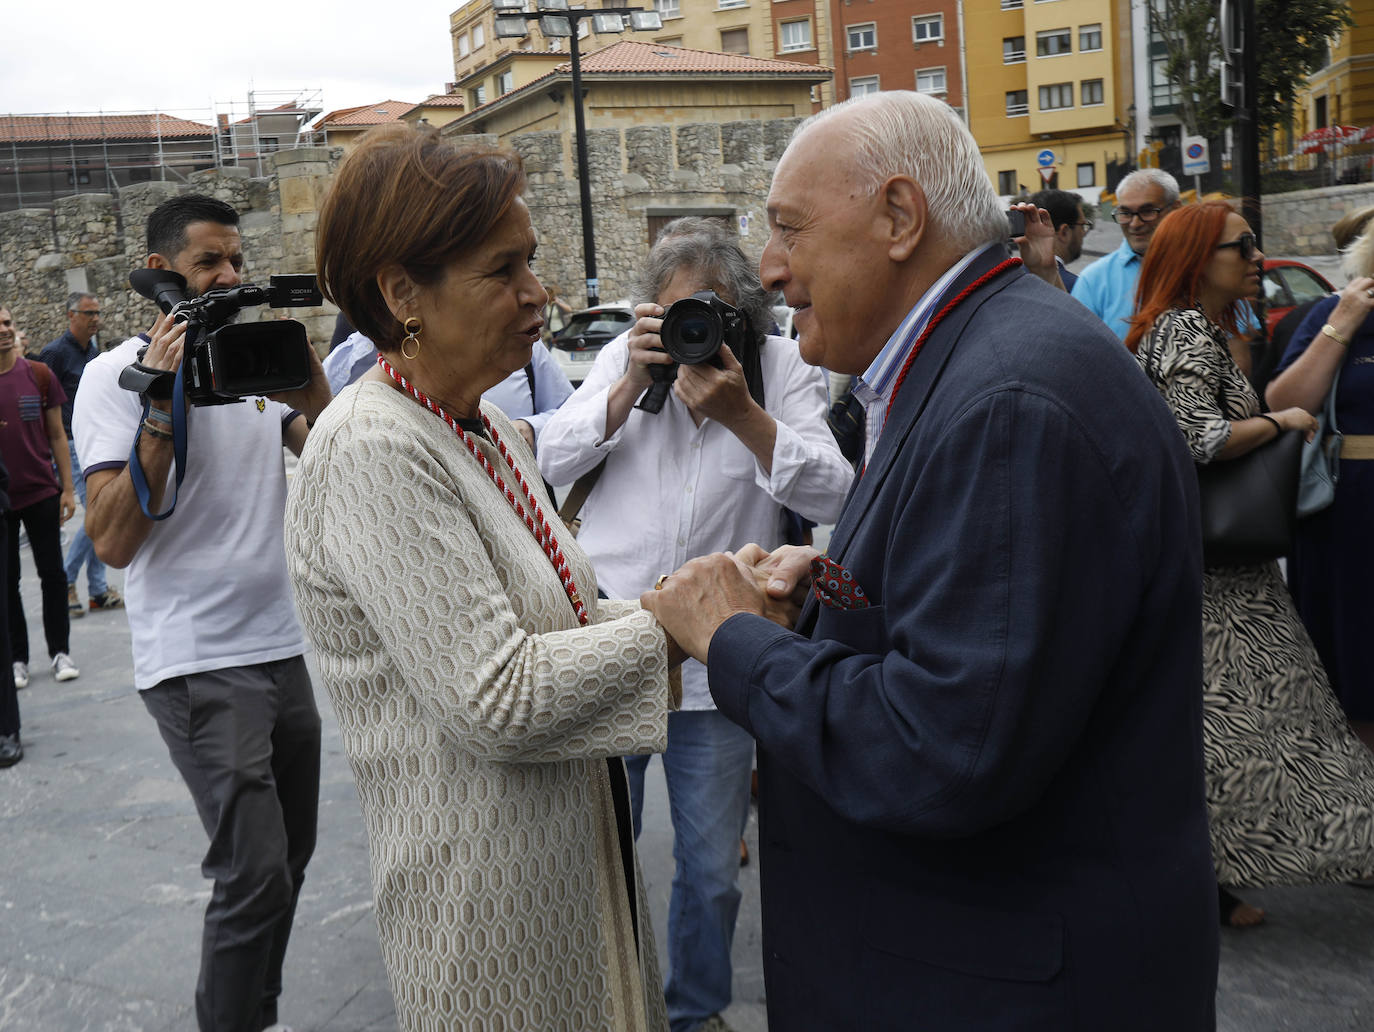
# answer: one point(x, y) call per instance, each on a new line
point(835, 587)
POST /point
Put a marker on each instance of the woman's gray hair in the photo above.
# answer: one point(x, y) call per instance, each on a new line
point(1358, 259)
point(708, 248)
point(1151, 177)
point(900, 132)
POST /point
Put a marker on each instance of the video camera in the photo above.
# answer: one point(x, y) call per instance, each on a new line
point(692, 332)
point(226, 361)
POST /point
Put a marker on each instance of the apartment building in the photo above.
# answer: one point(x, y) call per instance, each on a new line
point(1341, 92)
point(898, 45)
point(743, 27)
point(637, 84)
point(1050, 97)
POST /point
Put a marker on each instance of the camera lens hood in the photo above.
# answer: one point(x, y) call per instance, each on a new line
point(692, 331)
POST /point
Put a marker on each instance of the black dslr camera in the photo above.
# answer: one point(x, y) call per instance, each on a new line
point(226, 361)
point(693, 331)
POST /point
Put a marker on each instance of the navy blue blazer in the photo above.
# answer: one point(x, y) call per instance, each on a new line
point(981, 800)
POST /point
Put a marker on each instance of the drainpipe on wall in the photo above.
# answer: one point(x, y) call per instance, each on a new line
point(963, 59)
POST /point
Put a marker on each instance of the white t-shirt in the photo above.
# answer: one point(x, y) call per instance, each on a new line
point(208, 589)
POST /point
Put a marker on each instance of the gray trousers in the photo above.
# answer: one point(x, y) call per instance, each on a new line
point(247, 743)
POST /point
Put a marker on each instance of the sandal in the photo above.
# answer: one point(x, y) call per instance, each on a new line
point(1235, 912)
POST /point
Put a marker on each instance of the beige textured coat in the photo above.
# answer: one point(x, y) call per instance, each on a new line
point(477, 716)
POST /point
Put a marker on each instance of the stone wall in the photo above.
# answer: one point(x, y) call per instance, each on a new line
point(644, 171)
point(1300, 222)
point(92, 241)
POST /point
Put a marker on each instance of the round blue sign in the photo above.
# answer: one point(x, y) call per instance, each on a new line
point(1194, 150)
point(1045, 158)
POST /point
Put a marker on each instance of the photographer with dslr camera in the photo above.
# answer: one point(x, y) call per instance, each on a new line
point(718, 444)
point(217, 648)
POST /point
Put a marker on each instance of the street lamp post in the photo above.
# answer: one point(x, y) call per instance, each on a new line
point(556, 19)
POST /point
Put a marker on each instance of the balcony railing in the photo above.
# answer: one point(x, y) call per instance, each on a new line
point(1017, 109)
point(1013, 57)
point(1012, 5)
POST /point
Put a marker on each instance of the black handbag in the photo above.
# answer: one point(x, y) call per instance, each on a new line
point(1250, 504)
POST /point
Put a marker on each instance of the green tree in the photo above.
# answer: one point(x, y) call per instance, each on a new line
point(1293, 37)
point(1191, 33)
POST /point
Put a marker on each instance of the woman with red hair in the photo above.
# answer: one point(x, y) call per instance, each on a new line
point(1290, 790)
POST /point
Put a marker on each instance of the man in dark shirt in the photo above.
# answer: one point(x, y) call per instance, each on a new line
point(67, 357)
point(11, 749)
point(1071, 225)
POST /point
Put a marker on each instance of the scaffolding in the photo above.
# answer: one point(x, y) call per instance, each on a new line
point(44, 156)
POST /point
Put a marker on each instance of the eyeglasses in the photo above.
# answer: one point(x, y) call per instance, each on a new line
point(1146, 214)
point(93, 313)
point(1087, 225)
point(1245, 244)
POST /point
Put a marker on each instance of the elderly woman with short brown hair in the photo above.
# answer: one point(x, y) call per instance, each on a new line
point(484, 693)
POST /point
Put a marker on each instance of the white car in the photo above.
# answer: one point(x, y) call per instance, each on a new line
point(575, 347)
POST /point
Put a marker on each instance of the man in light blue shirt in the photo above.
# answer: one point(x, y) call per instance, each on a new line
point(1107, 286)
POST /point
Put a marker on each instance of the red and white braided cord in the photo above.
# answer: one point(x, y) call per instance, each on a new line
point(534, 517)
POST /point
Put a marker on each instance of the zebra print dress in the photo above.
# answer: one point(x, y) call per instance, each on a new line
point(1290, 789)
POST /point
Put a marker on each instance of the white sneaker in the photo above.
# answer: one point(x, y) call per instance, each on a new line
point(21, 674)
point(63, 669)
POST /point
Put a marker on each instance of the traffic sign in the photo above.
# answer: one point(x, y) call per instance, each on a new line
point(1195, 156)
point(1047, 174)
point(1045, 158)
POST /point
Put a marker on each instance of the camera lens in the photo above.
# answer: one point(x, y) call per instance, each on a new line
point(694, 331)
point(691, 331)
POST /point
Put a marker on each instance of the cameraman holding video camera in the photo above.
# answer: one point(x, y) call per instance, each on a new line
point(705, 462)
point(217, 648)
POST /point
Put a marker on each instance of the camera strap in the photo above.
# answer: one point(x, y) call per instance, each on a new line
point(136, 473)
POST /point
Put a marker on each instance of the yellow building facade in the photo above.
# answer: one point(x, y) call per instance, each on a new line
point(728, 26)
point(1342, 93)
point(1049, 83)
point(634, 84)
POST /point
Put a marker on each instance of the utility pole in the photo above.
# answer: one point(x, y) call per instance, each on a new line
point(1239, 90)
point(556, 19)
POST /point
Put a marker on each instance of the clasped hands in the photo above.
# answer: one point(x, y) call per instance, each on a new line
point(694, 601)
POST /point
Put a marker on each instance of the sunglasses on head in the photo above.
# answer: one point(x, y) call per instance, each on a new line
point(1245, 244)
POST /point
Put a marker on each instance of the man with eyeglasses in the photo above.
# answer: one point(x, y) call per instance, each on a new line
point(68, 357)
point(1071, 225)
point(1107, 286)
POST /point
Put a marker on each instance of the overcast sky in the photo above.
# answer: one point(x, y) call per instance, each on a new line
point(93, 55)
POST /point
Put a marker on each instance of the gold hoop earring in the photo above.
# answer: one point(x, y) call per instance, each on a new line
point(412, 338)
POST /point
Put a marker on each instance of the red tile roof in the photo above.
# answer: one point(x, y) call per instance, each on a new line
point(367, 114)
point(442, 100)
point(40, 128)
point(630, 55)
point(438, 100)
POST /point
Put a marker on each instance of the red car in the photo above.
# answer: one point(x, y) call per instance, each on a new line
point(1287, 285)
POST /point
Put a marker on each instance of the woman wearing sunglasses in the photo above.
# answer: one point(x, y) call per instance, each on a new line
point(1290, 790)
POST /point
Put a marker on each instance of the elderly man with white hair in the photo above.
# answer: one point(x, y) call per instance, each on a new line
point(980, 768)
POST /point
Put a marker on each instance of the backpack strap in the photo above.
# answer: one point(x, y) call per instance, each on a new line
point(42, 375)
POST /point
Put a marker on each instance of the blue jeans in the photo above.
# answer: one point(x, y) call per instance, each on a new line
point(82, 550)
point(707, 766)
